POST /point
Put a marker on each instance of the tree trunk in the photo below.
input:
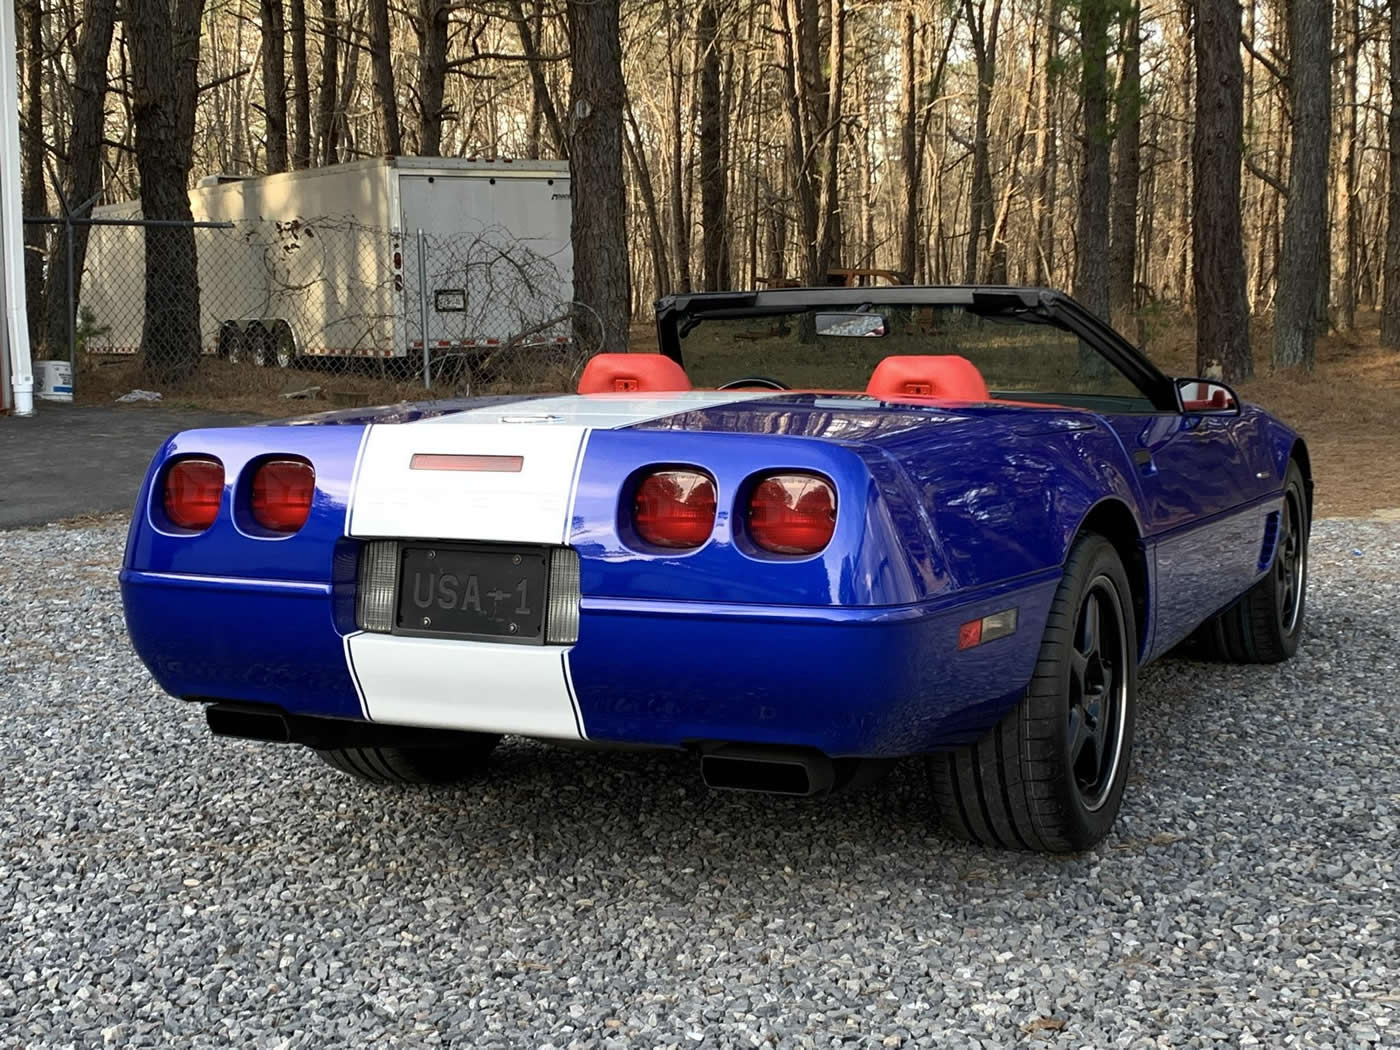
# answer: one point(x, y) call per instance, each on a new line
point(328, 94)
point(1347, 204)
point(1127, 146)
point(599, 232)
point(788, 18)
point(1222, 312)
point(301, 89)
point(34, 196)
point(1091, 271)
point(85, 160)
point(714, 179)
point(1043, 204)
point(910, 152)
point(274, 78)
point(680, 226)
point(539, 85)
point(1305, 214)
point(432, 72)
point(386, 102)
point(637, 156)
point(349, 81)
point(984, 52)
point(1390, 303)
point(830, 236)
point(1185, 220)
point(812, 87)
point(164, 72)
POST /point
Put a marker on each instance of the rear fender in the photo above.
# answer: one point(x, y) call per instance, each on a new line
point(1008, 500)
point(876, 556)
point(234, 545)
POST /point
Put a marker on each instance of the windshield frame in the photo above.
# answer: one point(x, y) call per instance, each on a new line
point(1048, 306)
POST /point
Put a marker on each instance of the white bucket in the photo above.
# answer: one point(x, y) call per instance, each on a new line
point(53, 380)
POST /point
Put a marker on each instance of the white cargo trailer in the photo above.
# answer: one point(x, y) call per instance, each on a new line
point(325, 262)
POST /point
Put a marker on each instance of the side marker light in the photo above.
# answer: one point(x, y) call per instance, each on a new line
point(987, 629)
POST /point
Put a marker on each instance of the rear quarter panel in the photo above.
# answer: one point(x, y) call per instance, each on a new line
point(287, 599)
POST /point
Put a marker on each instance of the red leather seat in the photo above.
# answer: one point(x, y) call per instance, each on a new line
point(947, 376)
point(626, 373)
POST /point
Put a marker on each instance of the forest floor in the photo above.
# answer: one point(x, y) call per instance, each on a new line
point(1348, 407)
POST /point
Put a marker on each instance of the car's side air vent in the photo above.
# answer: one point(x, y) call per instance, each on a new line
point(1266, 551)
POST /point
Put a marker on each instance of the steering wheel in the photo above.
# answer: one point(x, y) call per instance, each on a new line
point(762, 382)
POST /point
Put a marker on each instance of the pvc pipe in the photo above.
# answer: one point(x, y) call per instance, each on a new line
point(12, 246)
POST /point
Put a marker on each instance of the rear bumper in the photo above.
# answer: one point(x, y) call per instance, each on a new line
point(846, 681)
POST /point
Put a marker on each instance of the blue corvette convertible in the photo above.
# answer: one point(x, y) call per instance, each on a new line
point(822, 529)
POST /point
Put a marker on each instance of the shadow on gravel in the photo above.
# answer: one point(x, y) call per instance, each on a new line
point(648, 816)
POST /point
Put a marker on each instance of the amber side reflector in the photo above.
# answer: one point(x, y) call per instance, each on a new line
point(484, 464)
point(194, 488)
point(988, 629)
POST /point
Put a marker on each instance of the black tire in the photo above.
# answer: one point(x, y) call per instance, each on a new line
point(1050, 777)
point(234, 345)
point(259, 346)
point(1264, 626)
point(284, 346)
point(414, 765)
point(227, 336)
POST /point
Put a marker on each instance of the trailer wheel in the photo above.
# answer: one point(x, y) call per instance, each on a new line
point(284, 346)
point(233, 344)
point(259, 346)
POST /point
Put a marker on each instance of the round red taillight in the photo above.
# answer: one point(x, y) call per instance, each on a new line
point(675, 508)
point(792, 513)
point(194, 488)
point(282, 491)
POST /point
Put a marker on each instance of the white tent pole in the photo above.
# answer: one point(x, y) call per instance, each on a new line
point(12, 246)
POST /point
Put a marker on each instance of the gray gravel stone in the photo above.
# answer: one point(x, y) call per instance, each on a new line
point(162, 888)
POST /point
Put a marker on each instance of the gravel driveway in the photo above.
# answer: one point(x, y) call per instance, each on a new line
point(159, 888)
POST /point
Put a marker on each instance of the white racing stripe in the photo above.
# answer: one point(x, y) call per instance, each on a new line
point(528, 506)
point(531, 506)
point(599, 411)
point(485, 686)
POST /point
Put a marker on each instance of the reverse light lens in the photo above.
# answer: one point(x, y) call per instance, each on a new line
point(194, 488)
point(792, 514)
point(675, 508)
point(378, 586)
point(561, 618)
point(282, 491)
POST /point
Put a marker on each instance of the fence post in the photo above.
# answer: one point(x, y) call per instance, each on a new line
point(423, 306)
point(72, 301)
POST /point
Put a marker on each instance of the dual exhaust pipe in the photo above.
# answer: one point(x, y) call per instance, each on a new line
point(771, 770)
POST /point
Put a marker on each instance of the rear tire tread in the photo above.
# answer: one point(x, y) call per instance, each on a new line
point(412, 765)
point(1005, 789)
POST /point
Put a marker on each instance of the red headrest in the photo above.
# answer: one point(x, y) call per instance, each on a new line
point(948, 376)
point(610, 373)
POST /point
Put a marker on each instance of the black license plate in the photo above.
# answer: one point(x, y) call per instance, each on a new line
point(494, 593)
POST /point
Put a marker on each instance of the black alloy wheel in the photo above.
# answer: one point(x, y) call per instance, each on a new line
point(1291, 561)
point(1265, 625)
point(1098, 693)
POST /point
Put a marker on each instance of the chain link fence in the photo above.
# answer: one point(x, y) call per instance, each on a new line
point(325, 309)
